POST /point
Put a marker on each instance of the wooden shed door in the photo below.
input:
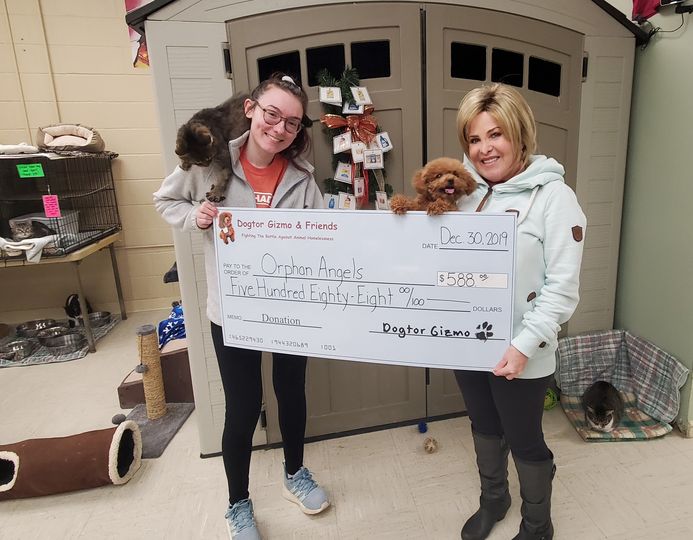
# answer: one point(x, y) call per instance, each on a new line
point(383, 42)
point(468, 47)
point(463, 48)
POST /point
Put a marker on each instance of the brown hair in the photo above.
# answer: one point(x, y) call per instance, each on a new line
point(300, 144)
point(509, 108)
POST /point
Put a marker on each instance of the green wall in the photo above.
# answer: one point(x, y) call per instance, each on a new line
point(654, 297)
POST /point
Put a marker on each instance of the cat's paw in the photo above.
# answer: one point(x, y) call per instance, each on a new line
point(484, 331)
point(214, 197)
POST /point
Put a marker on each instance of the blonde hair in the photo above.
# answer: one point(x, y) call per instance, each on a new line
point(509, 109)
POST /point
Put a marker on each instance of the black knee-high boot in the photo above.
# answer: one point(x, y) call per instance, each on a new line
point(535, 488)
point(492, 461)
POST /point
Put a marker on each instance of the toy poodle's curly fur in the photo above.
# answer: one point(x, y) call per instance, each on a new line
point(439, 184)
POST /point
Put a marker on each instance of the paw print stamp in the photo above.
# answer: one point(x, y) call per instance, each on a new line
point(483, 331)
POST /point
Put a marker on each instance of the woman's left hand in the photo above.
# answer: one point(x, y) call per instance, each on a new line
point(511, 365)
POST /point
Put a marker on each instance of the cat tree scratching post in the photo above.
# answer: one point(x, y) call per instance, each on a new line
point(152, 377)
point(158, 421)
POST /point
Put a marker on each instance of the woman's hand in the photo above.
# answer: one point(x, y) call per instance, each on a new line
point(511, 365)
point(205, 215)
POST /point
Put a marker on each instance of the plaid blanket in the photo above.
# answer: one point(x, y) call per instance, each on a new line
point(630, 363)
point(635, 424)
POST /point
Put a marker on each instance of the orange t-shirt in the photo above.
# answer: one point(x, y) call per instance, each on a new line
point(264, 180)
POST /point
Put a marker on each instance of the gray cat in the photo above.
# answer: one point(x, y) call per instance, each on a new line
point(603, 406)
point(204, 140)
point(25, 229)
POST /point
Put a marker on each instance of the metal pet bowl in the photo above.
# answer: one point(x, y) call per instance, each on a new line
point(20, 347)
point(31, 328)
point(51, 332)
point(100, 318)
point(65, 344)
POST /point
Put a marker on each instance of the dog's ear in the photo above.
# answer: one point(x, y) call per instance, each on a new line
point(468, 180)
point(419, 181)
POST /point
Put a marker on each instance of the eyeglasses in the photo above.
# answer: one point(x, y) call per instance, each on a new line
point(292, 124)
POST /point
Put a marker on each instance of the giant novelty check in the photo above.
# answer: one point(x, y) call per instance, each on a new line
point(370, 286)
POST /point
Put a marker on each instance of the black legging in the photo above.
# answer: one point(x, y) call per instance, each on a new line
point(497, 406)
point(241, 377)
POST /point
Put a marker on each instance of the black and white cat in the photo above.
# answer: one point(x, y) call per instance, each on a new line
point(603, 406)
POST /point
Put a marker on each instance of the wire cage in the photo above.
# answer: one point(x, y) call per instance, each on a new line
point(80, 208)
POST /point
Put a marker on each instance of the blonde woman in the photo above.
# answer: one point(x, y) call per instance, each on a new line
point(497, 131)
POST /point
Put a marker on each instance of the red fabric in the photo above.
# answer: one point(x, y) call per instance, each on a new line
point(644, 9)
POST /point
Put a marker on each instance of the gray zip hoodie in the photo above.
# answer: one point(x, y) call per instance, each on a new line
point(549, 244)
point(177, 200)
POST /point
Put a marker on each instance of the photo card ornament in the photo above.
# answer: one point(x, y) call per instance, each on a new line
point(352, 108)
point(373, 159)
point(331, 200)
point(381, 202)
point(343, 172)
point(347, 201)
point(357, 148)
point(331, 95)
point(341, 143)
point(359, 186)
point(361, 95)
point(383, 141)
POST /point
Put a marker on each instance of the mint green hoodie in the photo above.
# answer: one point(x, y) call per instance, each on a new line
point(549, 244)
point(177, 200)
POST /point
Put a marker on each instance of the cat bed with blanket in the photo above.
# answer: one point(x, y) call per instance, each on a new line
point(63, 137)
point(648, 379)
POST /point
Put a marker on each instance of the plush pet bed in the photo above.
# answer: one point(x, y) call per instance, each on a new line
point(69, 137)
point(648, 378)
point(635, 424)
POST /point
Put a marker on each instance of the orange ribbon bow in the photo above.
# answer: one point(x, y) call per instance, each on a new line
point(362, 126)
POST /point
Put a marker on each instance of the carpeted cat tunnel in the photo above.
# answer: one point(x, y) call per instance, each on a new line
point(37, 467)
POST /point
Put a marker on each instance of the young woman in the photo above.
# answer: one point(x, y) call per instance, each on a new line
point(268, 172)
point(497, 131)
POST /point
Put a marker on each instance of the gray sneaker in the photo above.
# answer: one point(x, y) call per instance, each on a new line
point(241, 522)
point(301, 489)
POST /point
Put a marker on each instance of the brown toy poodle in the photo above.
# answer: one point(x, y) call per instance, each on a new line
point(439, 184)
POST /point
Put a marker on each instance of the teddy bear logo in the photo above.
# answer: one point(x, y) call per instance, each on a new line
point(226, 225)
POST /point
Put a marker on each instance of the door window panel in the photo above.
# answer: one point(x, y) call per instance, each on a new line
point(467, 61)
point(544, 76)
point(288, 62)
point(330, 57)
point(507, 67)
point(371, 58)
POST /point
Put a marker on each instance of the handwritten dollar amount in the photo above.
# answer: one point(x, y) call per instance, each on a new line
point(411, 300)
point(472, 280)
